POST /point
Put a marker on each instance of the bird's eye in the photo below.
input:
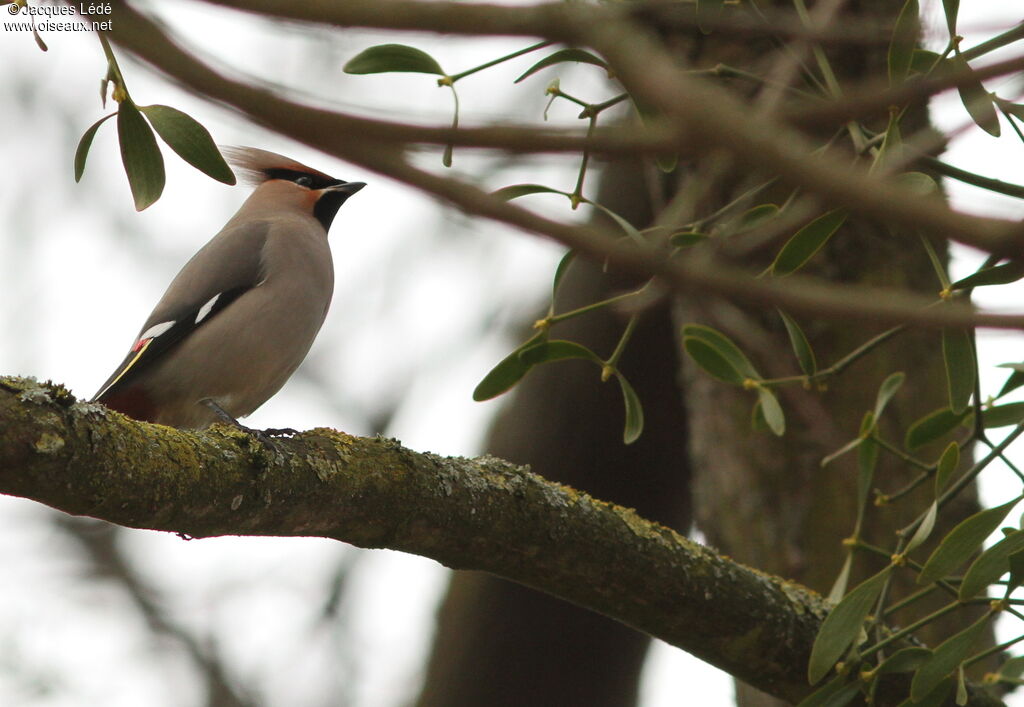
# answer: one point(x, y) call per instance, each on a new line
point(304, 181)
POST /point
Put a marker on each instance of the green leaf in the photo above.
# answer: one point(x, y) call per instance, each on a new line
point(708, 11)
point(917, 182)
point(849, 446)
point(39, 40)
point(757, 216)
point(511, 369)
point(904, 37)
point(888, 389)
point(807, 241)
point(923, 60)
point(951, 8)
point(504, 375)
point(938, 264)
point(685, 239)
point(839, 587)
point(801, 346)
point(867, 461)
point(708, 357)
point(556, 350)
point(975, 98)
point(563, 267)
point(725, 348)
point(963, 541)
point(958, 353)
point(625, 225)
point(931, 427)
point(1003, 415)
point(85, 143)
point(1015, 380)
point(948, 463)
point(944, 659)
point(904, 660)
point(1014, 109)
point(446, 156)
point(891, 150)
point(190, 140)
point(634, 411)
point(996, 275)
point(388, 58)
point(563, 55)
point(843, 625)
point(991, 565)
point(1013, 668)
point(517, 190)
point(508, 371)
point(140, 154)
point(1016, 562)
point(926, 527)
point(837, 692)
point(843, 696)
point(936, 698)
point(757, 421)
point(667, 163)
point(772, 411)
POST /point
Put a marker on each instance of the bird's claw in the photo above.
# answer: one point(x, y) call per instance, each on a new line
point(264, 437)
point(280, 432)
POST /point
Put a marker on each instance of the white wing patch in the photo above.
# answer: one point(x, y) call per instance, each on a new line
point(155, 330)
point(204, 311)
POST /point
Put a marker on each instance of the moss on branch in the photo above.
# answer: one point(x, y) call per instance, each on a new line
point(483, 514)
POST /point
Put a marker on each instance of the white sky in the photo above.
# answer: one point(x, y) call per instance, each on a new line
point(420, 313)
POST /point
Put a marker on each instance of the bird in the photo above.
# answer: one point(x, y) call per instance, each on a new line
point(243, 312)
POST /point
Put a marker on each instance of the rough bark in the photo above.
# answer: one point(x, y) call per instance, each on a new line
point(482, 513)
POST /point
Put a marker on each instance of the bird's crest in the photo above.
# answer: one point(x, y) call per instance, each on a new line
point(257, 166)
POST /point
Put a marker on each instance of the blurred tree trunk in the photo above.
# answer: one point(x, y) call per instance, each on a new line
point(499, 643)
point(765, 500)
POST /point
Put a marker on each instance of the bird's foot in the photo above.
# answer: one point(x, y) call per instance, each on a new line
point(280, 432)
point(263, 436)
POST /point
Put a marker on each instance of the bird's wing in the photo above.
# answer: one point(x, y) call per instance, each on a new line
point(217, 275)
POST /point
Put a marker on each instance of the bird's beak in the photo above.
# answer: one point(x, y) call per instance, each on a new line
point(346, 188)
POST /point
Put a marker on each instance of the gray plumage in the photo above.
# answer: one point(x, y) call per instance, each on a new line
point(242, 314)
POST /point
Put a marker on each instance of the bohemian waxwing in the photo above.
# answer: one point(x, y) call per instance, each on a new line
point(241, 315)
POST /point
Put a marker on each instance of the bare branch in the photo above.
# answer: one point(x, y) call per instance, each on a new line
point(877, 98)
point(717, 120)
point(323, 130)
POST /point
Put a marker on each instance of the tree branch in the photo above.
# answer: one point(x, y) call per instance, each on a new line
point(717, 120)
point(704, 117)
point(483, 514)
point(329, 132)
point(707, 116)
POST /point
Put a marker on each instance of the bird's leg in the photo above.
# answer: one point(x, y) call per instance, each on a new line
point(225, 417)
